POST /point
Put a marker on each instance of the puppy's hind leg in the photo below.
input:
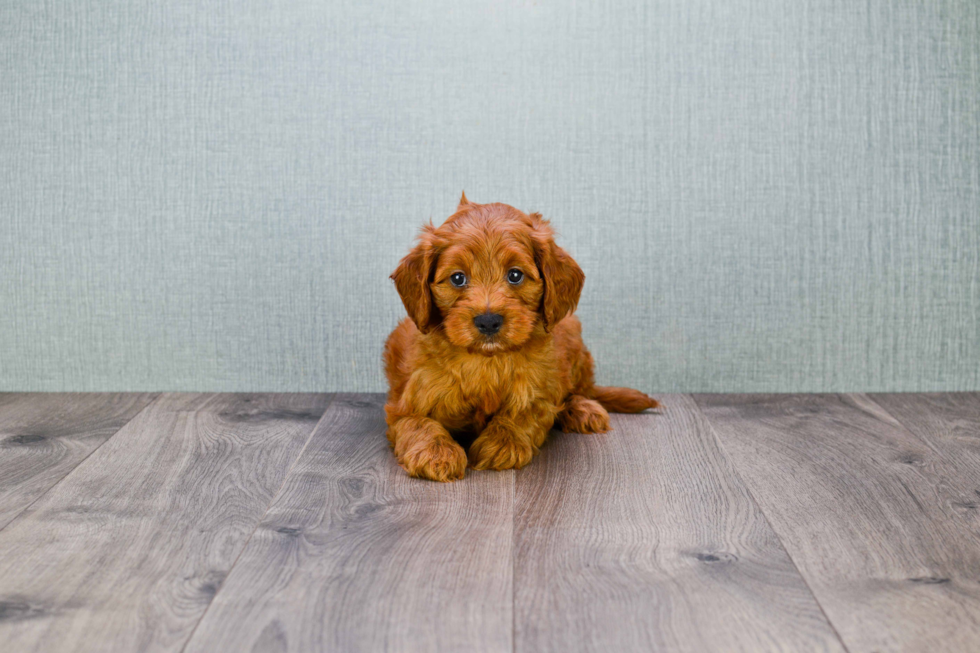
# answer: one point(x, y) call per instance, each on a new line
point(583, 415)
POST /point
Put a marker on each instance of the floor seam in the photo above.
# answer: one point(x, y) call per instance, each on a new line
point(513, 564)
point(259, 521)
point(755, 502)
point(71, 471)
point(924, 441)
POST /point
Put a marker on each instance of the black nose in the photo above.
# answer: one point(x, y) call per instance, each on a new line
point(488, 323)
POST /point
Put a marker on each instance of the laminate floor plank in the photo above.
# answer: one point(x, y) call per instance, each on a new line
point(646, 539)
point(43, 436)
point(354, 555)
point(948, 422)
point(126, 553)
point(867, 511)
point(949, 425)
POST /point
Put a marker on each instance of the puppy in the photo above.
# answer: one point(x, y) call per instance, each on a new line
point(491, 347)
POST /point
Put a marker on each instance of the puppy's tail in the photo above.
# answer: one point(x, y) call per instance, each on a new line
point(622, 400)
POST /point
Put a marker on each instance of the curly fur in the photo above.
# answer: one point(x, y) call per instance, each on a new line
point(448, 380)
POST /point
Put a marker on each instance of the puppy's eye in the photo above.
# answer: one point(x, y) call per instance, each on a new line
point(458, 279)
point(515, 276)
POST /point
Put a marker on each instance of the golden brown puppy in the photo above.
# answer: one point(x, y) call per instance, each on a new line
point(491, 346)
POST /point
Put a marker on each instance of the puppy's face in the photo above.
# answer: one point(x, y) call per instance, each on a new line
point(487, 278)
point(488, 289)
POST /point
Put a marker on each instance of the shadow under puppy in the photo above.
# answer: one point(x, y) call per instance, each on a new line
point(491, 347)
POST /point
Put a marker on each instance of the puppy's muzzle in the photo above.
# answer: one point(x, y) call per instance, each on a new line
point(488, 323)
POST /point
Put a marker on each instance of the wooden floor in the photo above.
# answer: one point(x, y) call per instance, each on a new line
point(204, 523)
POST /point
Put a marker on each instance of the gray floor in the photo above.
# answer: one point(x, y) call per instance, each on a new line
point(282, 523)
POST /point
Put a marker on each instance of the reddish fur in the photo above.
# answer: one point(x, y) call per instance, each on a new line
point(445, 377)
point(622, 400)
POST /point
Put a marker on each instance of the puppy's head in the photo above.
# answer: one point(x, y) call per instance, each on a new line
point(488, 277)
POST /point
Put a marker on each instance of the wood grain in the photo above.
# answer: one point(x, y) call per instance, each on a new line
point(865, 509)
point(947, 422)
point(356, 556)
point(127, 551)
point(44, 436)
point(645, 539)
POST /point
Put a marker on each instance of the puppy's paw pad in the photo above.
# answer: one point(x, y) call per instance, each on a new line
point(442, 461)
point(500, 453)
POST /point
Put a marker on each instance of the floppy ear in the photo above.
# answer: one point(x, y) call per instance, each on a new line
point(412, 277)
point(563, 278)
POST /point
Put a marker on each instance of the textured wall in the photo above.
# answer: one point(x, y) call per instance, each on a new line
point(765, 195)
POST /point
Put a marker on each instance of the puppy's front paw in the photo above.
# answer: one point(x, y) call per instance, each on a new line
point(497, 450)
point(441, 460)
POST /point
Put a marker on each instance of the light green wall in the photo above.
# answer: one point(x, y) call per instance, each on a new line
point(765, 195)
